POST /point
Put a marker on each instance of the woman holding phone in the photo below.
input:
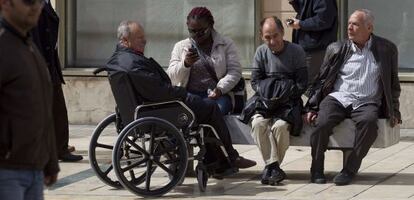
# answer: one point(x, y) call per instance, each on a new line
point(206, 63)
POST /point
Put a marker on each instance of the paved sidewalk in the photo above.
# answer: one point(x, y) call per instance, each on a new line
point(385, 174)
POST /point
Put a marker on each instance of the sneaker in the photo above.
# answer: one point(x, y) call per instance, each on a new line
point(243, 163)
point(318, 178)
point(343, 178)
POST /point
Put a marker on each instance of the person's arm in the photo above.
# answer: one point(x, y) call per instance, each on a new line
point(234, 70)
point(296, 5)
point(177, 70)
point(395, 87)
point(152, 88)
point(301, 75)
point(326, 14)
point(258, 72)
point(52, 167)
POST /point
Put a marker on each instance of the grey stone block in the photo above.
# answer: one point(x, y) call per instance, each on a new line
point(343, 137)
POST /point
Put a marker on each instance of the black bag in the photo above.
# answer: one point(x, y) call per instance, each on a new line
point(277, 93)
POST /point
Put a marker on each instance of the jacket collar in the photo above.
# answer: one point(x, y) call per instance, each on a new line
point(120, 47)
point(12, 30)
point(217, 38)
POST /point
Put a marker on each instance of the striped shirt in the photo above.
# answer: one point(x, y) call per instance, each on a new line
point(358, 79)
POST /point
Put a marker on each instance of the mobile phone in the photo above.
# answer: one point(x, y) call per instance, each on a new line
point(289, 21)
point(192, 49)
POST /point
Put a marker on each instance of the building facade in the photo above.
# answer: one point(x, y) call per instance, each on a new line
point(88, 38)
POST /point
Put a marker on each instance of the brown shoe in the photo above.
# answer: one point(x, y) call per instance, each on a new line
point(243, 163)
point(71, 149)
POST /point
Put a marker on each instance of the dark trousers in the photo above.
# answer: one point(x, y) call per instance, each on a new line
point(314, 61)
point(60, 115)
point(207, 112)
point(331, 113)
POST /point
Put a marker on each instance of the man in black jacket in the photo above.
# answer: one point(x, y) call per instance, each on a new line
point(279, 72)
point(315, 27)
point(27, 144)
point(154, 85)
point(359, 80)
point(45, 36)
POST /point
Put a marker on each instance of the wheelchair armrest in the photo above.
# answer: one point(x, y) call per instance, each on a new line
point(168, 106)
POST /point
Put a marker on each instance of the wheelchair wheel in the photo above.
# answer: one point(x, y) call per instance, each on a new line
point(202, 177)
point(100, 150)
point(147, 148)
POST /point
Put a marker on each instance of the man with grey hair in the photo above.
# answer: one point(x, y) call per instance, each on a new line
point(359, 80)
point(154, 85)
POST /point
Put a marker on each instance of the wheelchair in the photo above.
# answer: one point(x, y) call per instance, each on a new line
point(154, 143)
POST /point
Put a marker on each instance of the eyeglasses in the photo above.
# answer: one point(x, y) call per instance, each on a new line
point(199, 32)
point(33, 2)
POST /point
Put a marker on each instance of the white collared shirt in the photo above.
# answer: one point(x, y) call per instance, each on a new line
point(358, 79)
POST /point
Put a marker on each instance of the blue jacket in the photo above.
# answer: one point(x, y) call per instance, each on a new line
point(318, 22)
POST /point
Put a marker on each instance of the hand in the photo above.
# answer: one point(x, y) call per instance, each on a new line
point(295, 24)
point(191, 57)
point(215, 94)
point(310, 117)
point(50, 179)
point(394, 121)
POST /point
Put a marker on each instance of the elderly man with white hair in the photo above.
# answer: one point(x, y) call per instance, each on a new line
point(358, 80)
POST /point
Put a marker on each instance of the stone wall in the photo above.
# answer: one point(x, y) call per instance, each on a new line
point(89, 100)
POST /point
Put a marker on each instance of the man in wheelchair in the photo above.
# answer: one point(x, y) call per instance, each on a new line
point(154, 85)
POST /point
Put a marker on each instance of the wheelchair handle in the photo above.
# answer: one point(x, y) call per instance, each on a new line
point(98, 70)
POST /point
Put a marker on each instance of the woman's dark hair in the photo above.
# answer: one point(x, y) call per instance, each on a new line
point(201, 13)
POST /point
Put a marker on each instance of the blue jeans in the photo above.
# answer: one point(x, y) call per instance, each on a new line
point(223, 102)
point(21, 184)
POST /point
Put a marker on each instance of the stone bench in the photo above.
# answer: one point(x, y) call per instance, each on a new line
point(342, 139)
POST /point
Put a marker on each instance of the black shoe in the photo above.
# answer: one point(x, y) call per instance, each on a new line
point(343, 178)
point(243, 163)
point(277, 175)
point(265, 175)
point(69, 157)
point(221, 173)
point(318, 178)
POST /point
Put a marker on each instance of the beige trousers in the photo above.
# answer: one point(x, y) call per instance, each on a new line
point(271, 137)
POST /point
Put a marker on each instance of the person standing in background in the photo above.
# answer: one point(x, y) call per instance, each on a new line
point(315, 27)
point(45, 36)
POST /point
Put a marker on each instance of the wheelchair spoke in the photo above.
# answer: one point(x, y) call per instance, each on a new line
point(108, 170)
point(162, 166)
point(146, 154)
point(148, 176)
point(134, 165)
point(151, 144)
point(105, 146)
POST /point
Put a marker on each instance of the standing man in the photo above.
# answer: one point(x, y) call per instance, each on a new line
point(28, 156)
point(359, 81)
point(45, 36)
point(278, 67)
point(315, 27)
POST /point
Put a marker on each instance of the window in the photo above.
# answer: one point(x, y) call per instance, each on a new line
point(394, 21)
point(91, 27)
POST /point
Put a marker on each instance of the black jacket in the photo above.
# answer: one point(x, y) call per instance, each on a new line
point(319, 23)
point(386, 56)
point(27, 139)
point(45, 36)
point(149, 77)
